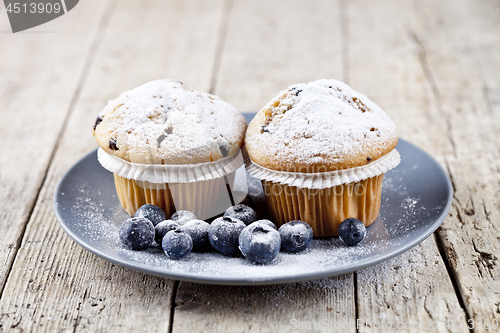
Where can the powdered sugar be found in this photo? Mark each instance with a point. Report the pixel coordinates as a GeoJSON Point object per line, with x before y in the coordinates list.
{"type": "Point", "coordinates": [100, 227]}
{"type": "Point", "coordinates": [414, 202]}
{"type": "Point", "coordinates": [165, 122]}
{"type": "Point", "coordinates": [320, 122]}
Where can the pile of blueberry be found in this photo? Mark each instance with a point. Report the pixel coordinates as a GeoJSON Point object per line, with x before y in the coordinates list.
{"type": "Point", "coordinates": [237, 232]}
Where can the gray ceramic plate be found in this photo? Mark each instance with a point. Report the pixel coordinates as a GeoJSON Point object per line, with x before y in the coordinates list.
{"type": "Point", "coordinates": [415, 200]}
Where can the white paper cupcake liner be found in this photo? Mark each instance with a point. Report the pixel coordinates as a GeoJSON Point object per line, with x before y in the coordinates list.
{"type": "Point", "coordinates": [323, 180]}
{"type": "Point", "coordinates": [158, 173]}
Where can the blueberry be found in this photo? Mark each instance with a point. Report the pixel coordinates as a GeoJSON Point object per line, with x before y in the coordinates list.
{"type": "Point", "coordinates": [223, 234]}
{"type": "Point", "coordinates": [183, 216]}
{"type": "Point", "coordinates": [266, 222]}
{"type": "Point", "coordinates": [296, 236]}
{"type": "Point", "coordinates": [352, 231]}
{"type": "Point", "coordinates": [177, 244]}
{"type": "Point", "coordinates": [242, 212]}
{"type": "Point", "coordinates": [151, 212]}
{"type": "Point", "coordinates": [162, 228]}
{"type": "Point", "coordinates": [259, 242]}
{"type": "Point", "coordinates": [198, 230]}
{"type": "Point", "coordinates": [137, 233]}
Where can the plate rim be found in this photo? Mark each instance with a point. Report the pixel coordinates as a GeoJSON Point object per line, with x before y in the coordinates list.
{"type": "Point", "coordinates": [241, 281]}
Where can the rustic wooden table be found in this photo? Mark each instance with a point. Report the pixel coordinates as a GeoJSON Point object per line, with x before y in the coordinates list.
{"type": "Point", "coordinates": [432, 65]}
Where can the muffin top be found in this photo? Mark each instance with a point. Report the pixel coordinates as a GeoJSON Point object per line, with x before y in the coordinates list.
{"type": "Point", "coordinates": [166, 122]}
{"type": "Point", "coordinates": [317, 127]}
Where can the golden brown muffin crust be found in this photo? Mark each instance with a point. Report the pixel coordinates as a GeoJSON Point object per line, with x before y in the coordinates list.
{"type": "Point", "coordinates": [317, 127]}
{"type": "Point", "coordinates": [166, 122]}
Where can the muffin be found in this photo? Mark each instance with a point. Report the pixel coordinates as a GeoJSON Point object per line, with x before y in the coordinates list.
{"type": "Point", "coordinates": [171, 146]}
{"type": "Point", "coordinates": [321, 150]}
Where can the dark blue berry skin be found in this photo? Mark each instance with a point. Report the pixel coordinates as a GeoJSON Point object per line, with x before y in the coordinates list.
{"type": "Point", "coordinates": [224, 233]}
{"type": "Point", "coordinates": [296, 236]}
{"type": "Point", "coordinates": [266, 222]}
{"type": "Point", "coordinates": [183, 216]}
{"type": "Point", "coordinates": [352, 231]}
{"type": "Point", "coordinates": [162, 228]}
{"type": "Point", "coordinates": [177, 244]}
{"type": "Point", "coordinates": [243, 213]}
{"type": "Point", "coordinates": [151, 212]}
{"type": "Point", "coordinates": [137, 233]}
{"type": "Point", "coordinates": [259, 242]}
{"type": "Point", "coordinates": [198, 230]}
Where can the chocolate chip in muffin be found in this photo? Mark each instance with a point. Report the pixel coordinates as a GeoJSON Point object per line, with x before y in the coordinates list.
{"type": "Point", "coordinates": [223, 150]}
{"type": "Point", "coordinates": [161, 138]}
{"type": "Point", "coordinates": [112, 144]}
{"type": "Point", "coordinates": [368, 158]}
{"type": "Point", "coordinates": [268, 128]}
{"type": "Point", "coordinates": [97, 121]}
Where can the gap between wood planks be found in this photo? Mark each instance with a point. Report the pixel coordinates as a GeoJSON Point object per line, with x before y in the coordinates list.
{"type": "Point", "coordinates": [453, 277]}
{"type": "Point", "coordinates": [221, 38]}
{"type": "Point", "coordinates": [344, 37]}
{"type": "Point", "coordinates": [422, 57]}
{"type": "Point", "coordinates": [469, 23]}
{"type": "Point", "coordinates": [78, 90]}
{"type": "Point", "coordinates": [18, 302]}
{"type": "Point", "coordinates": [103, 23]}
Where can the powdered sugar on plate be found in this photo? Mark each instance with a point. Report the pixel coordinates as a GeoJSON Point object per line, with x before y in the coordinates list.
{"type": "Point", "coordinates": [322, 255]}
{"type": "Point", "coordinates": [101, 225]}
{"type": "Point", "coordinates": [414, 202]}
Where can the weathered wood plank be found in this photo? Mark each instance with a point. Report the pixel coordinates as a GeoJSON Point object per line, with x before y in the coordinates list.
{"type": "Point", "coordinates": [270, 45]}
{"type": "Point", "coordinates": [410, 293]}
{"type": "Point", "coordinates": [54, 284]}
{"type": "Point", "coordinates": [432, 66]}
{"type": "Point", "coordinates": [413, 290]}
{"type": "Point", "coordinates": [39, 74]}
{"type": "Point", "coordinates": [318, 306]}
{"type": "Point", "coordinates": [273, 44]}
{"type": "Point", "coordinates": [462, 45]}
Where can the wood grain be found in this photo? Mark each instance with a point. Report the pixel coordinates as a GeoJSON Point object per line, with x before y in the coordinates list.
{"type": "Point", "coordinates": [413, 290]}
{"type": "Point", "coordinates": [460, 51]}
{"type": "Point", "coordinates": [29, 113]}
{"type": "Point", "coordinates": [273, 44]}
{"type": "Point", "coordinates": [268, 46]}
{"type": "Point", "coordinates": [55, 285]}
{"type": "Point", "coordinates": [411, 293]}
{"type": "Point", "coordinates": [433, 66]}
{"type": "Point", "coordinates": [319, 306]}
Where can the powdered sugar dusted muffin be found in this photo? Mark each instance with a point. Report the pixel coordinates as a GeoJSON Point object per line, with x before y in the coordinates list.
{"type": "Point", "coordinates": [166, 122]}
{"type": "Point", "coordinates": [165, 137]}
{"type": "Point", "coordinates": [321, 149]}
